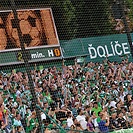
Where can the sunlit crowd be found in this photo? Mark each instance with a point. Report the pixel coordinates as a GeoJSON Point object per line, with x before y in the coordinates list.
{"type": "Point", "coordinates": [88, 97]}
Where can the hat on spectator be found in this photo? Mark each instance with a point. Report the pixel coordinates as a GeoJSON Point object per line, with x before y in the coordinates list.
{"type": "Point", "coordinates": [50, 126]}
{"type": "Point", "coordinates": [45, 101]}
{"type": "Point", "coordinates": [64, 122]}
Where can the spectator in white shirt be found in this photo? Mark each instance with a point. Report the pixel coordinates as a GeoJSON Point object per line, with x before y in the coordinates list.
{"type": "Point", "coordinates": [81, 118]}
{"type": "Point", "coordinates": [69, 119]}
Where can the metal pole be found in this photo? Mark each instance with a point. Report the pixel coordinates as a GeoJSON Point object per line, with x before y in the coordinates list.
{"type": "Point", "coordinates": [121, 7]}
{"type": "Point", "coordinates": [27, 66]}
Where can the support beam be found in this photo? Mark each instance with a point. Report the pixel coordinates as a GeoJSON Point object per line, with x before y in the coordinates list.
{"type": "Point", "coordinates": [27, 66]}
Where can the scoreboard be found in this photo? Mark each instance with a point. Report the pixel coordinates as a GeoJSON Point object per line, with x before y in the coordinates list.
{"type": "Point", "coordinates": [38, 34]}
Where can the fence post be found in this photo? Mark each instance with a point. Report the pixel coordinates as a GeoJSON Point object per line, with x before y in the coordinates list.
{"type": "Point", "coordinates": [27, 66]}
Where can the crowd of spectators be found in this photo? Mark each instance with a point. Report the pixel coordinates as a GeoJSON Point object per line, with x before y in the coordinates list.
{"type": "Point", "coordinates": [92, 97]}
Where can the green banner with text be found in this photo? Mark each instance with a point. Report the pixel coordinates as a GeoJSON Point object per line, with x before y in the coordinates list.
{"type": "Point", "coordinates": [130, 130]}
{"type": "Point", "coordinates": [115, 47]}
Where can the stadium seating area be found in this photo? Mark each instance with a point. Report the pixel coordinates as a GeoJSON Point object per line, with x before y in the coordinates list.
{"type": "Point", "coordinates": [92, 97]}
{"type": "Point", "coordinates": [66, 66]}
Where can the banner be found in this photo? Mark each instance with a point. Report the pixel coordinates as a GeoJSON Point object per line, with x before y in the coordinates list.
{"type": "Point", "coordinates": [130, 130]}
{"type": "Point", "coordinates": [114, 47]}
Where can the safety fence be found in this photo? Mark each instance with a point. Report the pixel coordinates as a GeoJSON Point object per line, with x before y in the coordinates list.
{"type": "Point", "coordinates": [53, 52]}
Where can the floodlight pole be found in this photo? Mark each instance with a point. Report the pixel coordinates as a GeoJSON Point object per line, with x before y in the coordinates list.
{"type": "Point", "coordinates": [27, 67]}
{"type": "Point", "coordinates": [121, 7]}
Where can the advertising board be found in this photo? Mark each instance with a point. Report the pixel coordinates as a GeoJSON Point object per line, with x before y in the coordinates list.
{"type": "Point", "coordinates": [38, 33]}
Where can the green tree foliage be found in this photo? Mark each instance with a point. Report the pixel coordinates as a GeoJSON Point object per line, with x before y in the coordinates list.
{"type": "Point", "coordinates": [77, 18]}
{"type": "Point", "coordinates": [129, 8]}
{"type": "Point", "coordinates": [92, 17]}
{"type": "Point", "coordinates": [65, 19]}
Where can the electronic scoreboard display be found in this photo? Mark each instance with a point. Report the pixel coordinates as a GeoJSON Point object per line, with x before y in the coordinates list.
{"type": "Point", "coordinates": [38, 34]}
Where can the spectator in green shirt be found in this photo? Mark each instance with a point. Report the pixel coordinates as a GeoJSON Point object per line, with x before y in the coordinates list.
{"type": "Point", "coordinates": [96, 108]}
